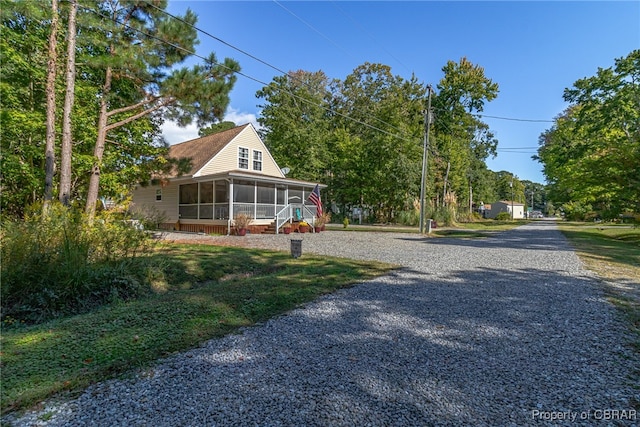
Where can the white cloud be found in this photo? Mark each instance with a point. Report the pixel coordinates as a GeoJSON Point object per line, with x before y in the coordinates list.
{"type": "Point", "coordinates": [175, 134]}
{"type": "Point", "coordinates": [240, 118]}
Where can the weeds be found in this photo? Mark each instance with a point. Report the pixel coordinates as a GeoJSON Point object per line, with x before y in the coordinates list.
{"type": "Point", "coordinates": [58, 263]}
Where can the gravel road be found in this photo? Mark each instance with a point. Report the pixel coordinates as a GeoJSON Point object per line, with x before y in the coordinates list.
{"type": "Point", "coordinates": [508, 330]}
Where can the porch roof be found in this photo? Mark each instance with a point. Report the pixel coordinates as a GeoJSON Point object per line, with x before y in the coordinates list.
{"type": "Point", "coordinates": [241, 174]}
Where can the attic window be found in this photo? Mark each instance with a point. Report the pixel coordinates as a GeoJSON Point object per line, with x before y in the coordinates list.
{"type": "Point", "coordinates": [257, 160]}
{"type": "Point", "coordinates": [243, 158]}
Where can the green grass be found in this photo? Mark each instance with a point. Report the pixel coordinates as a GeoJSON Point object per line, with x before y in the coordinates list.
{"type": "Point", "coordinates": [612, 252]}
{"type": "Point", "coordinates": [204, 292]}
{"type": "Point", "coordinates": [609, 249]}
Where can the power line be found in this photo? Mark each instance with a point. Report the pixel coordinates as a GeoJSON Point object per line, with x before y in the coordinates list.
{"type": "Point", "coordinates": [247, 76]}
{"type": "Point", "coordinates": [313, 28]}
{"type": "Point", "coordinates": [519, 148]}
{"type": "Point", "coordinates": [514, 119]}
{"type": "Point", "coordinates": [284, 73]}
{"type": "Point", "coordinates": [369, 34]}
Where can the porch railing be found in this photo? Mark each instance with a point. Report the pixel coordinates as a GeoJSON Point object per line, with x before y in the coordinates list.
{"type": "Point", "coordinates": [294, 211]}
{"type": "Point", "coordinates": [256, 211]}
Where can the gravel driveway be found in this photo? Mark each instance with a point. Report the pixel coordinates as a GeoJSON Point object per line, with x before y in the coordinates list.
{"type": "Point", "coordinates": [508, 330]}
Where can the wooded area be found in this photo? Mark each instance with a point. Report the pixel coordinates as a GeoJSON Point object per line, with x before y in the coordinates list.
{"type": "Point", "coordinates": [86, 86]}
{"type": "Point", "coordinates": [363, 136]}
{"type": "Point", "coordinates": [591, 155]}
{"type": "Point", "coordinates": [118, 81]}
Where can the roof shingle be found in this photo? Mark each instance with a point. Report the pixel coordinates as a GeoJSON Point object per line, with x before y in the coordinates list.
{"type": "Point", "coordinates": [200, 150]}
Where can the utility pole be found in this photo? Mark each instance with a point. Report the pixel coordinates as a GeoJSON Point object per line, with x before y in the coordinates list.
{"type": "Point", "coordinates": [532, 199]}
{"type": "Point", "coordinates": [511, 185]}
{"type": "Point", "coordinates": [425, 155]}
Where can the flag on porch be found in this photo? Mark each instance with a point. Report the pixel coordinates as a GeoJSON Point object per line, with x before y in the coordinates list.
{"type": "Point", "coordinates": [314, 198]}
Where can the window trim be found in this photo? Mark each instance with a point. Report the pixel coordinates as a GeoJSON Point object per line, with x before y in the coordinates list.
{"type": "Point", "coordinates": [241, 158]}
{"type": "Point", "coordinates": [256, 161]}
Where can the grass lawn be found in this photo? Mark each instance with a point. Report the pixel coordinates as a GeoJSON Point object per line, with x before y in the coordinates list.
{"type": "Point", "coordinates": [613, 252]}
{"type": "Point", "coordinates": [204, 292]}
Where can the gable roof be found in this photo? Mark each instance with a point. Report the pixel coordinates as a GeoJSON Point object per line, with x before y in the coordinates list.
{"type": "Point", "coordinates": [200, 150]}
{"type": "Point", "coordinates": [509, 202]}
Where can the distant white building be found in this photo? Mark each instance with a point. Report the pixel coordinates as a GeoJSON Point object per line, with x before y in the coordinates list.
{"type": "Point", "coordinates": [505, 206]}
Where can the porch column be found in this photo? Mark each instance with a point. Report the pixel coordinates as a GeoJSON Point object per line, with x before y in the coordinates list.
{"type": "Point", "coordinates": [255, 199]}
{"type": "Point", "coordinates": [275, 200]}
{"type": "Point", "coordinates": [231, 199]}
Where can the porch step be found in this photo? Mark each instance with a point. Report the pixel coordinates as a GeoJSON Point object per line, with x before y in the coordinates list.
{"type": "Point", "coordinates": [271, 229]}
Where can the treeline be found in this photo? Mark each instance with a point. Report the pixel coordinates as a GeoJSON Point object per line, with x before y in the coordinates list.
{"type": "Point", "coordinates": [363, 136]}
{"type": "Point", "coordinates": [86, 86]}
{"type": "Point", "coordinates": [591, 155]}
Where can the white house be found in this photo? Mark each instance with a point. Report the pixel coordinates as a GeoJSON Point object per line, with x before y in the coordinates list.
{"type": "Point", "coordinates": [505, 206]}
{"type": "Point", "coordinates": [222, 175]}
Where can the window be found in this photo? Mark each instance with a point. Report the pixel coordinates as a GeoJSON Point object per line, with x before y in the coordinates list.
{"type": "Point", "coordinates": [257, 160]}
{"type": "Point", "coordinates": [243, 158]}
{"type": "Point", "coordinates": [159, 195]}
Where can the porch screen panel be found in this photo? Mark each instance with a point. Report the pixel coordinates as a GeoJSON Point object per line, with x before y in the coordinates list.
{"type": "Point", "coordinates": [243, 191]}
{"type": "Point", "coordinates": [266, 193]}
{"type": "Point", "coordinates": [206, 211]}
{"type": "Point", "coordinates": [206, 192]}
{"type": "Point", "coordinates": [221, 210]}
{"type": "Point", "coordinates": [188, 201]}
{"type": "Point", "coordinates": [222, 192]}
{"type": "Point", "coordinates": [281, 194]}
{"type": "Point", "coordinates": [189, 194]}
{"type": "Point", "coordinates": [206, 200]}
{"type": "Point", "coordinates": [295, 195]}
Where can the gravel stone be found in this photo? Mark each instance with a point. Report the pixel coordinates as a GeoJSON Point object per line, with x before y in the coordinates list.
{"type": "Point", "coordinates": [508, 330]}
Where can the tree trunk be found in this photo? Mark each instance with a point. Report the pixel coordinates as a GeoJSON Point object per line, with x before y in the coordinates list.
{"type": "Point", "coordinates": [50, 156]}
{"type": "Point", "coordinates": [98, 151]}
{"type": "Point", "coordinates": [65, 152]}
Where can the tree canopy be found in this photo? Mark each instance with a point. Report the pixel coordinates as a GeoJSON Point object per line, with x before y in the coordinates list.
{"type": "Point", "coordinates": [128, 81]}
{"type": "Point", "coordinates": [363, 135]}
{"type": "Point", "coordinates": [591, 155]}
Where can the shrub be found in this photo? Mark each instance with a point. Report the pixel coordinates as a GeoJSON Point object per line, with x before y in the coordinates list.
{"type": "Point", "coordinates": [503, 216]}
{"type": "Point", "coordinates": [576, 211]}
{"type": "Point", "coordinates": [60, 263]}
{"type": "Point", "coordinates": [151, 218]}
{"type": "Point", "coordinates": [443, 215]}
{"type": "Point", "coordinates": [411, 217]}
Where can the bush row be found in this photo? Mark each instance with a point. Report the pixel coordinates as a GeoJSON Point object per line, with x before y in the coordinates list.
{"type": "Point", "coordinates": [60, 263]}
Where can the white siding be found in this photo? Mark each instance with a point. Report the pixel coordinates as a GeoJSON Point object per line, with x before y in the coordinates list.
{"type": "Point", "coordinates": [497, 207]}
{"type": "Point", "coordinates": [144, 198]}
{"type": "Point", "coordinates": [227, 159]}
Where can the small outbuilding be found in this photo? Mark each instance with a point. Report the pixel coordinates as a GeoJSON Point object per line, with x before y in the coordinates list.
{"type": "Point", "coordinates": [505, 206]}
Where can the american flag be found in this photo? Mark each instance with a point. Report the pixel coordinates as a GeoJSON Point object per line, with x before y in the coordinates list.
{"type": "Point", "coordinates": [314, 198]}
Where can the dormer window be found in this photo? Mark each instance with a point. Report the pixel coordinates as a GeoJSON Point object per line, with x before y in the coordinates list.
{"type": "Point", "coordinates": [243, 158]}
{"type": "Point", "coordinates": [257, 160]}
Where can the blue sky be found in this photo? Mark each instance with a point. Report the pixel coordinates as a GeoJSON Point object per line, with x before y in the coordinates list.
{"type": "Point", "coordinates": [533, 50]}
